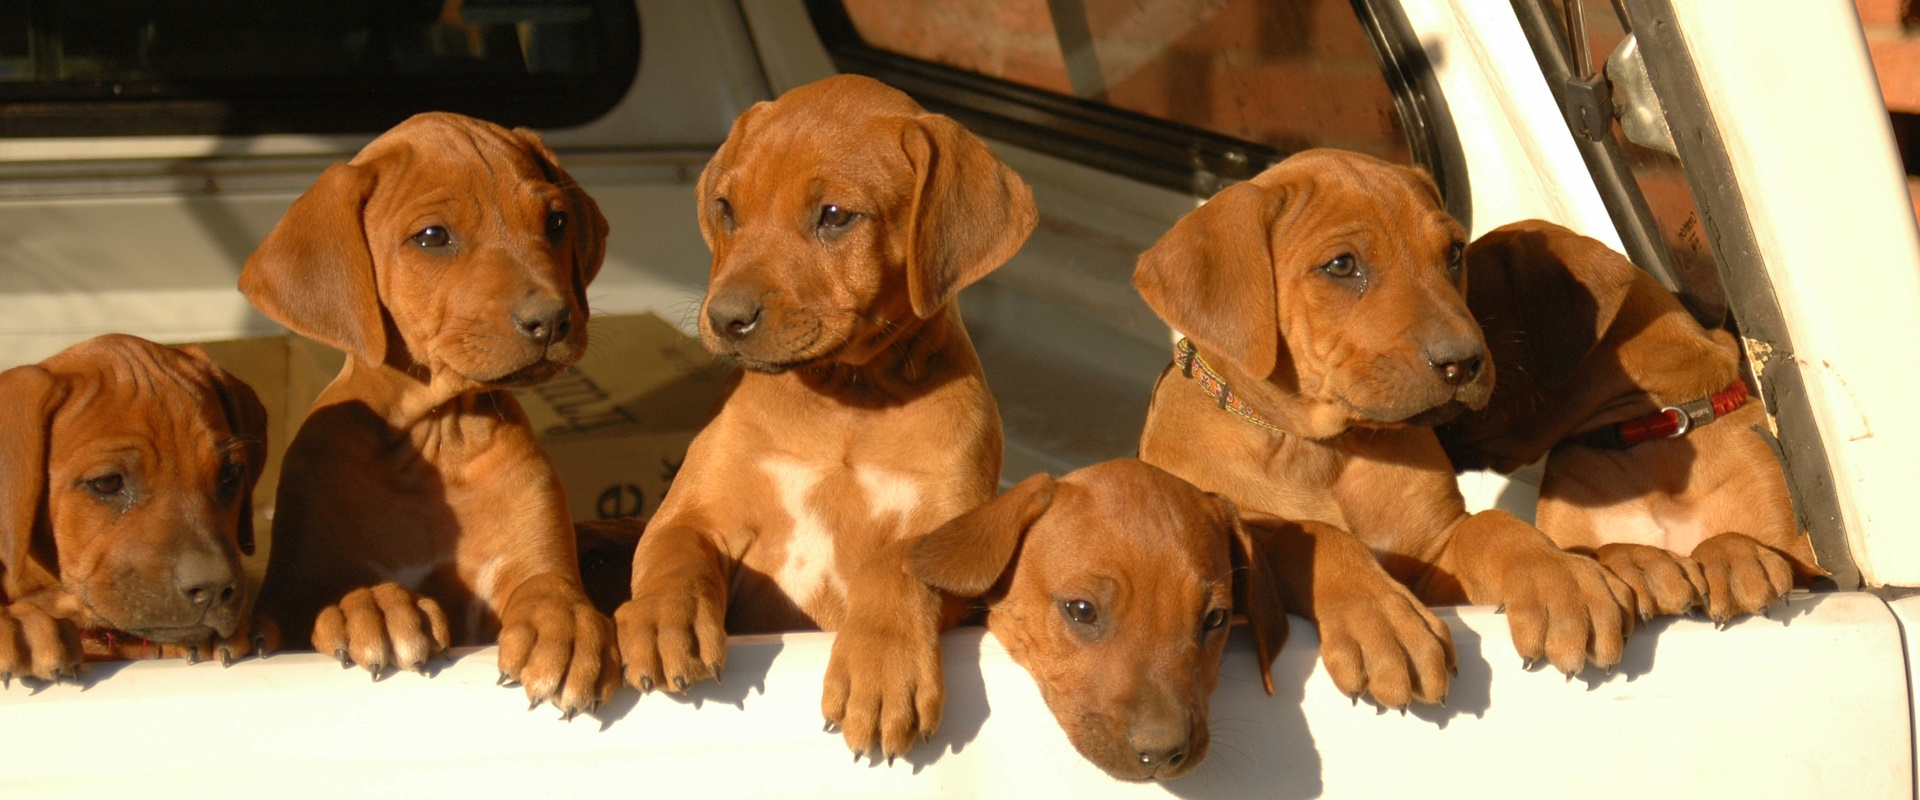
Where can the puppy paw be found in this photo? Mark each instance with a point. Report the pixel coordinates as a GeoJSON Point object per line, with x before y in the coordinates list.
{"type": "Point", "coordinates": [383, 626]}
{"type": "Point", "coordinates": [884, 688]}
{"type": "Point", "coordinates": [264, 637]}
{"type": "Point", "coordinates": [35, 644]}
{"type": "Point", "coordinates": [561, 650]}
{"type": "Point", "coordinates": [1742, 576]}
{"type": "Point", "coordinates": [1663, 582]}
{"type": "Point", "coordinates": [1567, 609]}
{"type": "Point", "coordinates": [225, 649]}
{"type": "Point", "coordinates": [1377, 638]}
{"type": "Point", "coordinates": [671, 640]}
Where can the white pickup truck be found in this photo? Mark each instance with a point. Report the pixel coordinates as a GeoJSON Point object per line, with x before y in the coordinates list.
{"type": "Point", "coordinates": [145, 148]}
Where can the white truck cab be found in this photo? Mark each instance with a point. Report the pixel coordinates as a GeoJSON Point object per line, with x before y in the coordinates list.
{"type": "Point", "coordinates": [1736, 149]}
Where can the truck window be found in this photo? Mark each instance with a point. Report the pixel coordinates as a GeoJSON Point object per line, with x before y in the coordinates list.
{"type": "Point", "coordinates": [1190, 94]}
{"type": "Point", "coordinates": [240, 67]}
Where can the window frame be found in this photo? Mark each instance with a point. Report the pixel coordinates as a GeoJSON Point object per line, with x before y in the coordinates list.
{"type": "Point", "coordinates": [1149, 149]}
{"type": "Point", "coordinates": [326, 105]}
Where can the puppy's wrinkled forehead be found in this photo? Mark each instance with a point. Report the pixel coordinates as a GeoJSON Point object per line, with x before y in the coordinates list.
{"type": "Point", "coordinates": [462, 157]}
{"type": "Point", "coordinates": [1345, 188]}
{"type": "Point", "coordinates": [839, 134]}
{"type": "Point", "coordinates": [1158, 515]}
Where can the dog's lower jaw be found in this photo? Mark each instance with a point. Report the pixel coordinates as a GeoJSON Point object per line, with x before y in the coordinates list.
{"type": "Point", "coordinates": [531, 375]}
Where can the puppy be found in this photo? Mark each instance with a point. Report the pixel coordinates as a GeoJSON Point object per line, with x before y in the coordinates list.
{"type": "Point", "coordinates": [1658, 464]}
{"type": "Point", "coordinates": [843, 220]}
{"type": "Point", "coordinates": [1326, 331]}
{"type": "Point", "coordinates": [449, 260]}
{"type": "Point", "coordinates": [1113, 586]}
{"type": "Point", "coordinates": [126, 500]}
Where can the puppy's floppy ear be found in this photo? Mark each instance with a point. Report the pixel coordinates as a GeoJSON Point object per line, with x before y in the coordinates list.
{"type": "Point", "coordinates": [314, 273]}
{"type": "Point", "coordinates": [590, 228]}
{"type": "Point", "coordinates": [970, 211]}
{"type": "Point", "coordinates": [31, 395]}
{"type": "Point", "coordinates": [1544, 296]}
{"type": "Point", "coordinates": [1211, 277]}
{"type": "Point", "coordinates": [247, 420]}
{"type": "Point", "coordinates": [1424, 179]}
{"type": "Point", "coordinates": [966, 556]}
{"type": "Point", "coordinates": [1256, 594]}
{"type": "Point", "coordinates": [706, 209]}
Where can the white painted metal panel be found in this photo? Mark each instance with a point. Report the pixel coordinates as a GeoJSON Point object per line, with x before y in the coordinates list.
{"type": "Point", "coordinates": [1793, 93]}
{"type": "Point", "coordinates": [1807, 706]}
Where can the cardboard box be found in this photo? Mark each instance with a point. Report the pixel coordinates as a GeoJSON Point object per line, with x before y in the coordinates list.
{"type": "Point", "coordinates": [616, 425]}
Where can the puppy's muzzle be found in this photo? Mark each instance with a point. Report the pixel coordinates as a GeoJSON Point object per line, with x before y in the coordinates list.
{"type": "Point", "coordinates": [734, 315]}
{"type": "Point", "coordinates": [200, 593]}
{"type": "Point", "coordinates": [543, 321]}
{"type": "Point", "coordinates": [1456, 362]}
{"type": "Point", "coordinates": [1160, 749]}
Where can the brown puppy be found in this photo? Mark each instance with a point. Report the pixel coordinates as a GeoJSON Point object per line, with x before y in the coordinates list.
{"type": "Point", "coordinates": [1113, 586]}
{"type": "Point", "coordinates": [126, 499]}
{"type": "Point", "coordinates": [1322, 300]}
{"type": "Point", "coordinates": [1602, 366]}
{"type": "Point", "coordinates": [450, 261]}
{"type": "Point", "coordinates": [843, 220]}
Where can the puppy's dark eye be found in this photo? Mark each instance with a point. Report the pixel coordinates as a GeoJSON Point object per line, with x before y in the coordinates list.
{"type": "Point", "coordinates": [107, 485]}
{"type": "Point", "coordinates": [556, 224]}
{"type": "Point", "coordinates": [1456, 259]}
{"type": "Point", "coordinates": [1080, 611]}
{"type": "Point", "coordinates": [432, 236]}
{"type": "Point", "coordinates": [1216, 619]}
{"type": "Point", "coordinates": [232, 474]}
{"type": "Point", "coordinates": [832, 216]}
{"type": "Point", "coordinates": [1342, 266]}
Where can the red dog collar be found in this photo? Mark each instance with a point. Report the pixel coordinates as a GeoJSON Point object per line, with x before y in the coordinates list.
{"type": "Point", "coordinates": [1671, 422]}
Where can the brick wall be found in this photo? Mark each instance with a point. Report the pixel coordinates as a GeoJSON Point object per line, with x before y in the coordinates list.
{"type": "Point", "coordinates": [1893, 41]}
{"type": "Point", "coordinates": [1288, 73]}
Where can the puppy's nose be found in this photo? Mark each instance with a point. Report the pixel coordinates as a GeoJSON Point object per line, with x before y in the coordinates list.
{"type": "Point", "coordinates": [1158, 747]}
{"type": "Point", "coordinates": [206, 582]}
{"type": "Point", "coordinates": [543, 321]}
{"type": "Point", "coordinates": [734, 315]}
{"type": "Point", "coordinates": [1457, 362]}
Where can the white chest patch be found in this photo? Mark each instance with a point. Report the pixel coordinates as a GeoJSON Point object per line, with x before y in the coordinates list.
{"type": "Point", "coordinates": [888, 492]}
{"type": "Point", "coordinates": [809, 567]}
{"type": "Point", "coordinates": [483, 589]}
{"type": "Point", "coordinates": [411, 575]}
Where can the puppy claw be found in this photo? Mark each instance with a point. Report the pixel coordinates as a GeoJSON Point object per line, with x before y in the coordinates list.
{"type": "Point", "coordinates": [1403, 709]}
{"type": "Point", "coordinates": [6, 679]}
{"type": "Point", "coordinates": [1500, 609]}
{"type": "Point", "coordinates": [715, 669]}
{"type": "Point", "coordinates": [502, 681]}
{"type": "Point", "coordinates": [646, 685]}
{"type": "Point", "coordinates": [568, 717]}
{"type": "Point", "coordinates": [1355, 697]}
{"type": "Point", "coordinates": [832, 727]}
{"type": "Point", "coordinates": [1443, 701]}
{"type": "Point", "coordinates": [1526, 664]}
{"type": "Point", "coordinates": [341, 654]}
{"type": "Point", "coordinates": [533, 704]}
{"type": "Point", "coordinates": [889, 759]}
{"type": "Point", "coordinates": [193, 655]}
{"type": "Point", "coordinates": [679, 683]}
